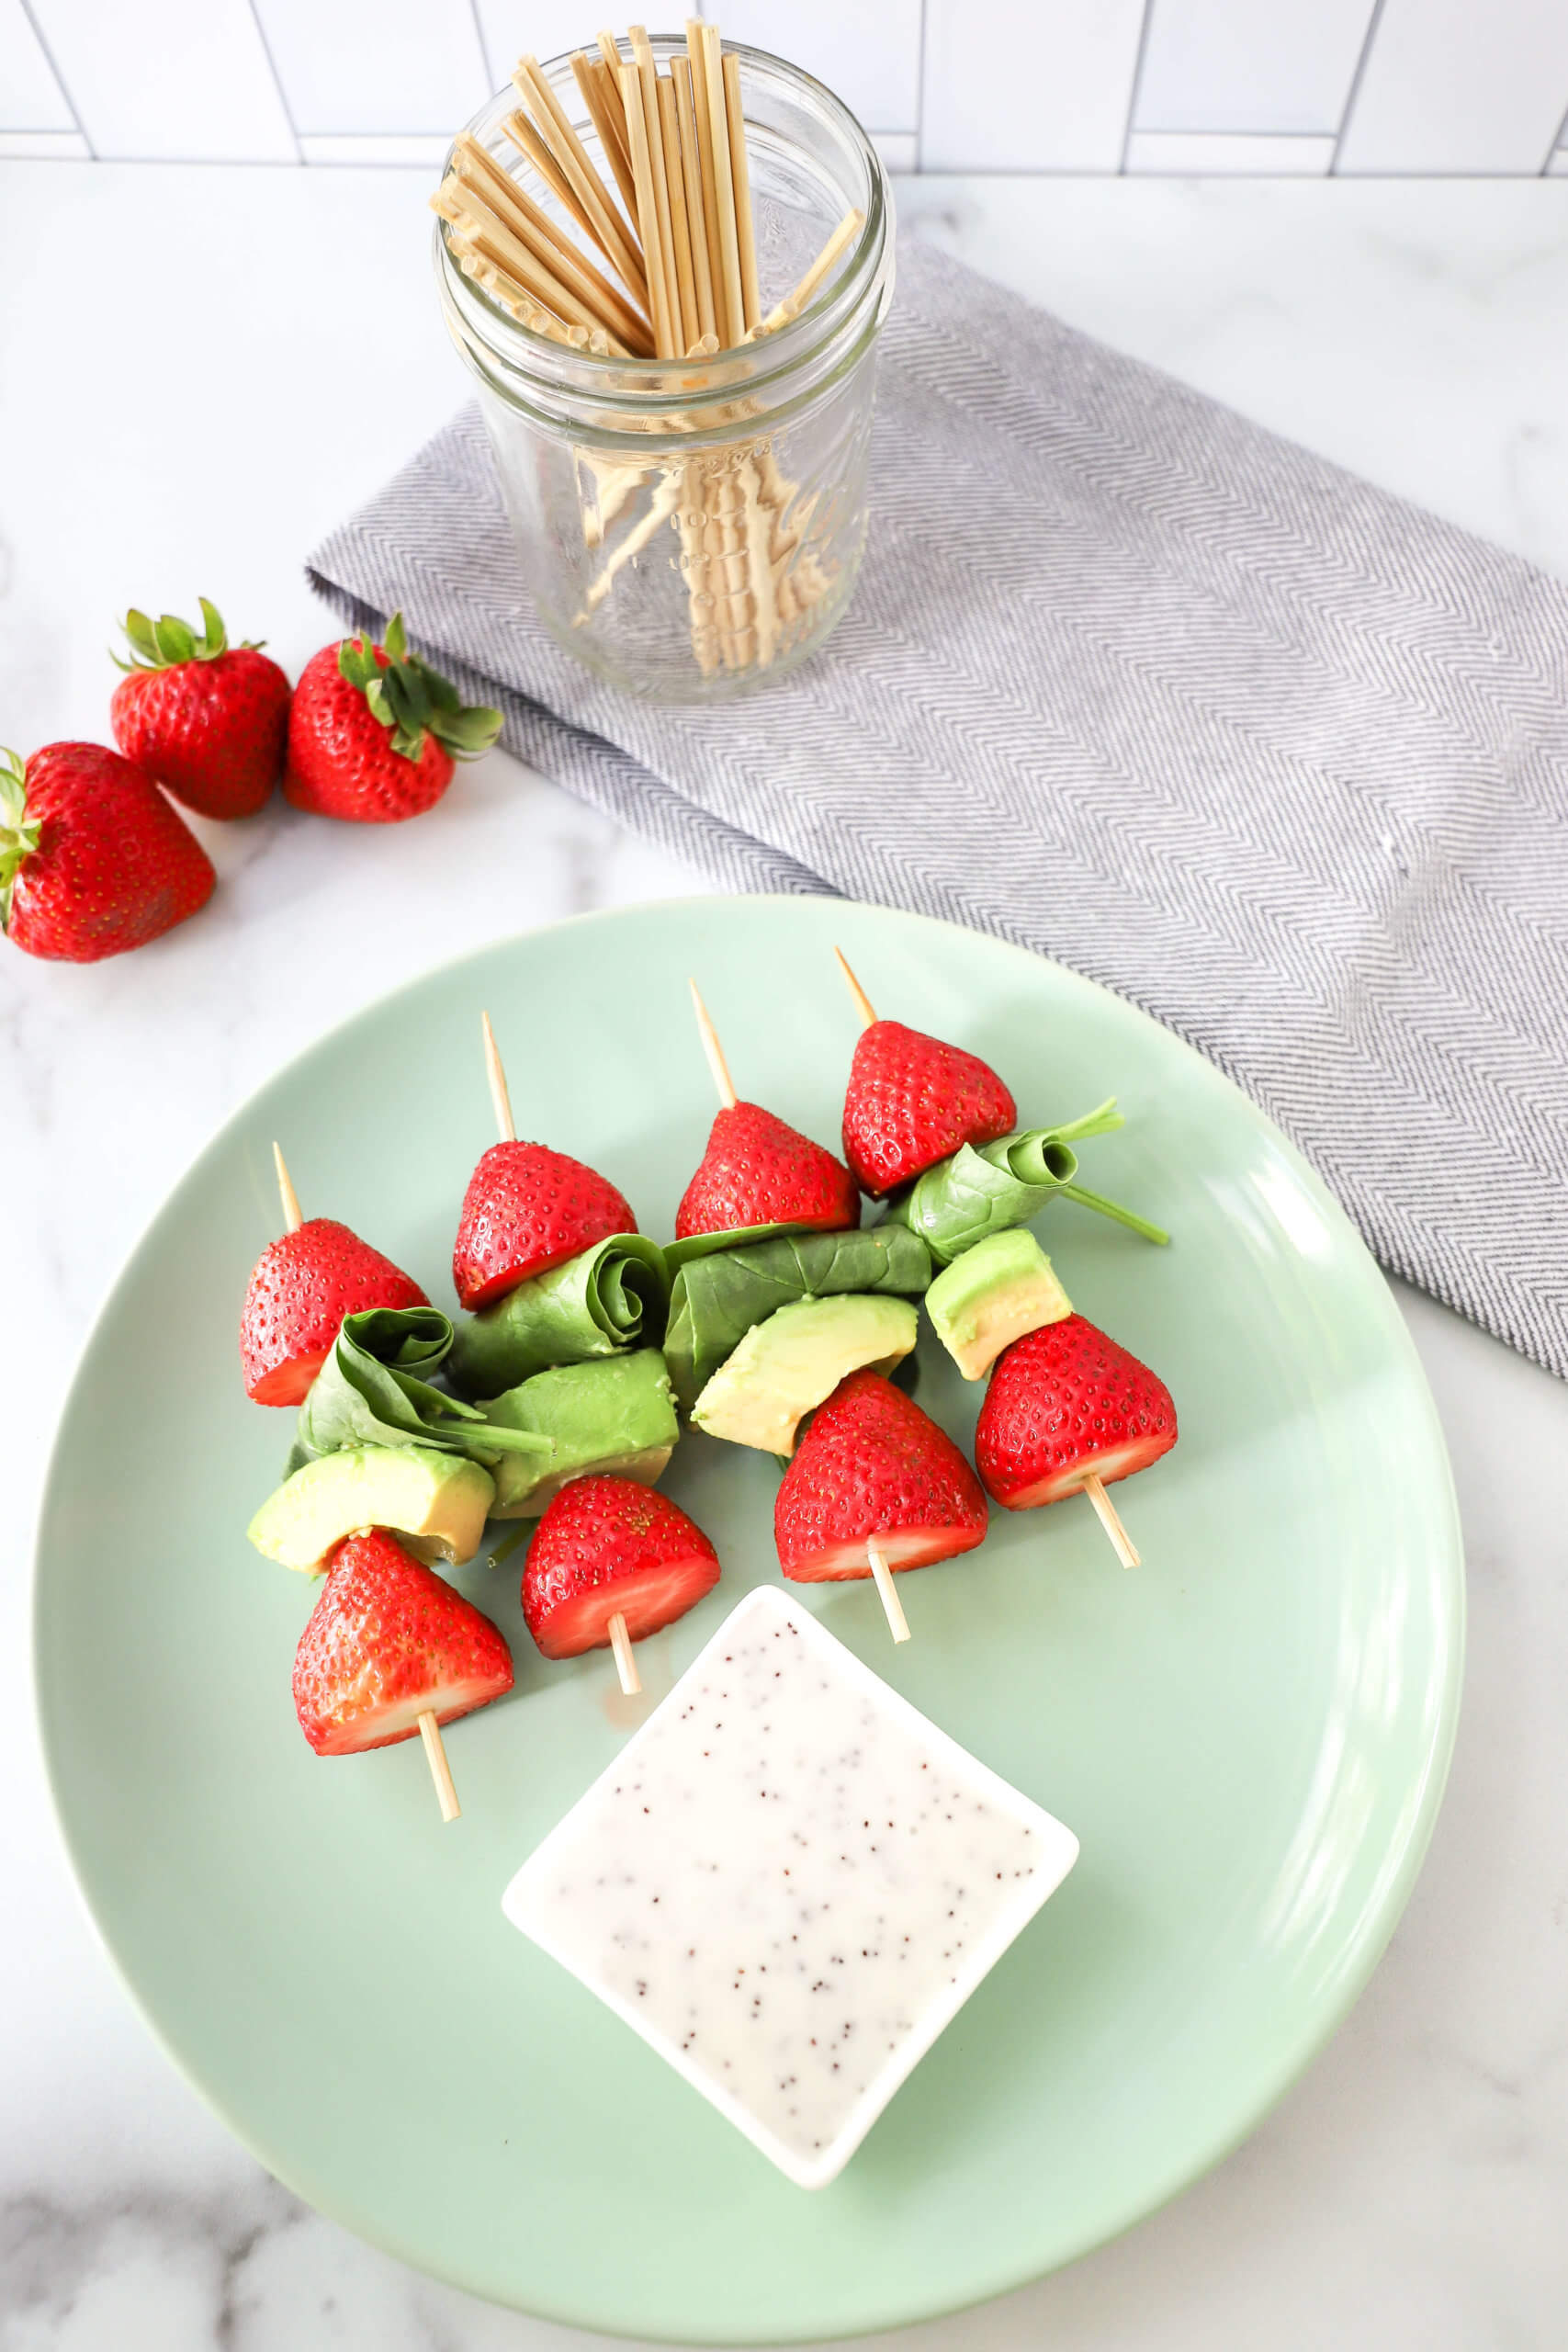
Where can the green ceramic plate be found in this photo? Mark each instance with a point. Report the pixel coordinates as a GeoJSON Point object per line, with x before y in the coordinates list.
{"type": "Point", "coordinates": [1249, 1734]}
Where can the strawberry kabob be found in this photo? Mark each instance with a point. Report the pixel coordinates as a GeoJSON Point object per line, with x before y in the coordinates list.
{"type": "Point", "coordinates": [610, 1561]}
{"type": "Point", "coordinates": [1066, 1411]}
{"type": "Point", "coordinates": [875, 1484]}
{"type": "Point", "coordinates": [390, 1649]}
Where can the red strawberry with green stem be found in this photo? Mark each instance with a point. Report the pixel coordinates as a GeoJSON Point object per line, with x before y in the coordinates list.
{"type": "Point", "coordinates": [93, 859]}
{"type": "Point", "coordinates": [207, 718]}
{"type": "Point", "coordinates": [756, 1170]}
{"type": "Point", "coordinates": [873, 1468]}
{"type": "Point", "coordinates": [912, 1101]}
{"type": "Point", "coordinates": [608, 1549]}
{"type": "Point", "coordinates": [373, 732]}
{"type": "Point", "coordinates": [1069, 1411]}
{"type": "Point", "coordinates": [528, 1208]}
{"type": "Point", "coordinates": [301, 1287]}
{"type": "Point", "coordinates": [386, 1644]}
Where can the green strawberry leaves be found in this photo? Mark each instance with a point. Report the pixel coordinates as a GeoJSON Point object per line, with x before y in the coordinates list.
{"type": "Point", "coordinates": [163, 644]}
{"type": "Point", "coordinates": [19, 835]}
{"type": "Point", "coordinates": [412, 700]}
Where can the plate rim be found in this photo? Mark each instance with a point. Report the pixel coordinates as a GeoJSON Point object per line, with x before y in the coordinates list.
{"type": "Point", "coordinates": [1375, 1939]}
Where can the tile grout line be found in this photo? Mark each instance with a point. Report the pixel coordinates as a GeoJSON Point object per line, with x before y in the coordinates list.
{"type": "Point", "coordinates": [1132, 93]}
{"type": "Point", "coordinates": [277, 80]}
{"type": "Point", "coordinates": [1560, 139]}
{"type": "Point", "coordinates": [486, 61]}
{"type": "Point", "coordinates": [920, 93]}
{"type": "Point", "coordinates": [1354, 92]}
{"type": "Point", "coordinates": [60, 83]}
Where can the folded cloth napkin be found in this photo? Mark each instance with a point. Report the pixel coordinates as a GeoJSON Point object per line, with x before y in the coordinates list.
{"type": "Point", "coordinates": [1130, 681]}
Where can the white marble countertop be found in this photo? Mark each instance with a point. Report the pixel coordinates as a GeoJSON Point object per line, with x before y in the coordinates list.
{"type": "Point", "coordinates": [168, 433]}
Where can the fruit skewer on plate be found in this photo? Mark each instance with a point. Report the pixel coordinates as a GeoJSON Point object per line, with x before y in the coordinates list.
{"type": "Point", "coordinates": [389, 1650]}
{"type": "Point", "coordinates": [875, 1486]}
{"type": "Point", "coordinates": [611, 1569]}
{"type": "Point", "coordinates": [759, 1175]}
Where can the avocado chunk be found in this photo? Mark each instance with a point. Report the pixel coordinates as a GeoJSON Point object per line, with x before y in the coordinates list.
{"type": "Point", "coordinates": [616, 1414]}
{"type": "Point", "coordinates": [991, 1296]}
{"type": "Point", "coordinates": [436, 1503]}
{"type": "Point", "coordinates": [785, 1366]}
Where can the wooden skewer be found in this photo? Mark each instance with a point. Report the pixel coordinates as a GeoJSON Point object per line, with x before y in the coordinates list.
{"type": "Point", "coordinates": [292, 1219]}
{"type": "Point", "coordinates": [499, 1094]}
{"type": "Point", "coordinates": [625, 1665]}
{"type": "Point", "coordinates": [863, 1004]}
{"type": "Point", "coordinates": [665, 332]}
{"type": "Point", "coordinates": [740, 174]}
{"type": "Point", "coordinates": [898, 1623]}
{"type": "Point", "coordinates": [478, 167]}
{"type": "Point", "coordinates": [692, 174]}
{"type": "Point", "coordinates": [680, 219]}
{"type": "Point", "coordinates": [733, 323]}
{"type": "Point", "coordinates": [714, 1051]}
{"type": "Point", "coordinates": [456, 196]}
{"type": "Point", "coordinates": [520, 130]}
{"type": "Point", "coordinates": [440, 1770]}
{"type": "Point", "coordinates": [653, 115]}
{"type": "Point", "coordinates": [592, 79]}
{"type": "Point", "coordinates": [1110, 1519]}
{"type": "Point", "coordinates": [697, 69]}
{"type": "Point", "coordinates": [660, 507]}
{"type": "Point", "coordinates": [505, 289]}
{"type": "Point", "coordinates": [571, 158]}
{"type": "Point", "coordinates": [429, 1729]}
{"type": "Point", "coordinates": [796, 300]}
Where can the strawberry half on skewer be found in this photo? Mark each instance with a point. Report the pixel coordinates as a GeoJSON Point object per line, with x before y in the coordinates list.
{"type": "Point", "coordinates": [301, 1288]}
{"type": "Point", "coordinates": [755, 1170]}
{"type": "Point", "coordinates": [612, 1562]}
{"type": "Point", "coordinates": [912, 1099]}
{"type": "Point", "coordinates": [388, 1644]}
{"type": "Point", "coordinates": [875, 1485]}
{"type": "Point", "coordinates": [1069, 1411]}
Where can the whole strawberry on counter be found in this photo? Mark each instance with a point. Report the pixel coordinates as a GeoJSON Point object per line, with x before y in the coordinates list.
{"type": "Point", "coordinates": [373, 733]}
{"type": "Point", "coordinates": [207, 718]}
{"type": "Point", "coordinates": [93, 859]}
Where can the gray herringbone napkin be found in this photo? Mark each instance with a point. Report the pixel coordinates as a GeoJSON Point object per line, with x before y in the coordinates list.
{"type": "Point", "coordinates": [1130, 681]}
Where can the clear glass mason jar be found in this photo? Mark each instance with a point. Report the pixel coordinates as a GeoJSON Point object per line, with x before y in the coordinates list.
{"type": "Point", "coordinates": [692, 530]}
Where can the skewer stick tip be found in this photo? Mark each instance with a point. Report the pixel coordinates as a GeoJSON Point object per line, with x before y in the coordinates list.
{"type": "Point", "coordinates": [898, 1623]}
{"type": "Point", "coordinates": [863, 1004]}
{"type": "Point", "coordinates": [499, 1095]}
{"type": "Point", "coordinates": [1110, 1519]}
{"type": "Point", "coordinates": [714, 1050]}
{"type": "Point", "coordinates": [440, 1770]}
{"type": "Point", "coordinates": [625, 1665]}
{"type": "Point", "coordinates": [292, 1218]}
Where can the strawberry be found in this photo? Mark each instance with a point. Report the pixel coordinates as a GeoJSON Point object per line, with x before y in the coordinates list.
{"type": "Point", "coordinates": [373, 733]}
{"type": "Point", "coordinates": [207, 718]}
{"type": "Point", "coordinates": [301, 1288]}
{"type": "Point", "coordinates": [528, 1208]}
{"type": "Point", "coordinates": [606, 1545]}
{"type": "Point", "coordinates": [1062, 1402]}
{"type": "Point", "coordinates": [386, 1642]}
{"type": "Point", "coordinates": [758, 1171]}
{"type": "Point", "coordinates": [93, 859]}
{"type": "Point", "coordinates": [912, 1101]}
{"type": "Point", "coordinates": [873, 1463]}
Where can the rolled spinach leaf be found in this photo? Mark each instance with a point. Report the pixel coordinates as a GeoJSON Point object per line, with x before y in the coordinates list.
{"type": "Point", "coordinates": [609, 1297]}
{"type": "Point", "coordinates": [717, 1299]}
{"type": "Point", "coordinates": [962, 1200]}
{"type": "Point", "coordinates": [703, 1245]}
{"type": "Point", "coordinates": [373, 1389]}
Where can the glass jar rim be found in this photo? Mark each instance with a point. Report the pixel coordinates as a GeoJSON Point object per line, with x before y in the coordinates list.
{"type": "Point", "coordinates": [642, 388]}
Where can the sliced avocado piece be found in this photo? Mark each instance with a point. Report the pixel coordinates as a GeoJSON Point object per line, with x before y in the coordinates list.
{"type": "Point", "coordinates": [616, 1414]}
{"type": "Point", "coordinates": [785, 1366]}
{"type": "Point", "coordinates": [436, 1503]}
{"type": "Point", "coordinates": [991, 1296]}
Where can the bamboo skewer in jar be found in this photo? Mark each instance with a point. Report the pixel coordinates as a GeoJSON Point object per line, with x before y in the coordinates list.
{"type": "Point", "coordinates": [666, 269]}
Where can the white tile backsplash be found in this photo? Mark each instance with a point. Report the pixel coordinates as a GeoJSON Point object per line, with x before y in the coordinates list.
{"type": "Point", "coordinates": [1222, 86]}
{"type": "Point", "coordinates": [1249, 65]}
{"type": "Point", "coordinates": [406, 65]}
{"type": "Point", "coordinates": [869, 56]}
{"type": "Point", "coordinates": [1260, 153]}
{"type": "Point", "coordinates": [1460, 85]}
{"type": "Point", "coordinates": [168, 78]}
{"type": "Point", "coordinates": [1045, 87]}
{"type": "Point", "coordinates": [30, 97]}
